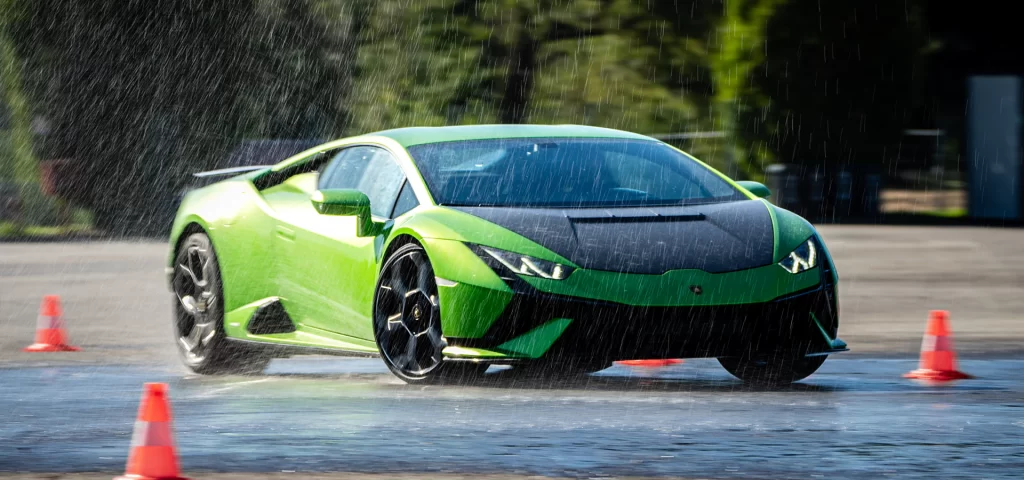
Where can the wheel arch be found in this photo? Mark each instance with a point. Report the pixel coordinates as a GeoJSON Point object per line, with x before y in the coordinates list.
{"type": "Point", "coordinates": [192, 226]}
{"type": "Point", "coordinates": [397, 241]}
{"type": "Point", "coordinates": [189, 229]}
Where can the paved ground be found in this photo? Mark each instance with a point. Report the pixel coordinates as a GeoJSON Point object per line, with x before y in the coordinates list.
{"type": "Point", "coordinates": [291, 476]}
{"type": "Point", "coordinates": [856, 418]}
{"type": "Point", "coordinates": [298, 475]}
{"type": "Point", "coordinates": [118, 308]}
{"type": "Point", "coordinates": [891, 276]}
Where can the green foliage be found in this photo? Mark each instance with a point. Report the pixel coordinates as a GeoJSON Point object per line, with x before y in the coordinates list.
{"type": "Point", "coordinates": [466, 62]}
{"type": "Point", "coordinates": [737, 49]}
{"type": "Point", "coordinates": [20, 164]}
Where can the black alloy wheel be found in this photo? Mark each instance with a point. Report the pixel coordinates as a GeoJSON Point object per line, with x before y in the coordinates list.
{"type": "Point", "coordinates": [407, 321]}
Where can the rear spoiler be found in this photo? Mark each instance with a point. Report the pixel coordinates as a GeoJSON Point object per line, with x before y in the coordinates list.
{"type": "Point", "coordinates": [223, 172]}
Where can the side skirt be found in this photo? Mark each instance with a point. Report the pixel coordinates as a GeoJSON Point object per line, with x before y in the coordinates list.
{"type": "Point", "coordinates": [266, 322]}
{"type": "Point", "coordinates": [283, 350]}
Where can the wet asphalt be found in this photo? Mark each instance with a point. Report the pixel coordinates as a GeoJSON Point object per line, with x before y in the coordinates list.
{"type": "Point", "coordinates": [856, 418]}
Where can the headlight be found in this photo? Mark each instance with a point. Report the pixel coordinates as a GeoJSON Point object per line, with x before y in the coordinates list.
{"type": "Point", "coordinates": [804, 258]}
{"type": "Point", "coordinates": [524, 265]}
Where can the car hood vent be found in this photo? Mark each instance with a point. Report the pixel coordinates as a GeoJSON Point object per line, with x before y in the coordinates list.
{"type": "Point", "coordinates": [716, 238]}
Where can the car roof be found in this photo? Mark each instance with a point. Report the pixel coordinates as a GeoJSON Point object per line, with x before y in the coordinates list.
{"type": "Point", "coordinates": [410, 136]}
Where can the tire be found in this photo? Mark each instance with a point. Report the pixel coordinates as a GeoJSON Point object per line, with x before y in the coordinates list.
{"type": "Point", "coordinates": [199, 315]}
{"type": "Point", "coordinates": [407, 321]}
{"type": "Point", "coordinates": [772, 370]}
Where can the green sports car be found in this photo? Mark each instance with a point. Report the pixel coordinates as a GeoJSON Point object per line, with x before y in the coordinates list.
{"type": "Point", "coordinates": [556, 249]}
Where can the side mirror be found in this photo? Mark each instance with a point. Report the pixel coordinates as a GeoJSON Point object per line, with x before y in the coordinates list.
{"type": "Point", "coordinates": [756, 188]}
{"type": "Point", "coordinates": [347, 202]}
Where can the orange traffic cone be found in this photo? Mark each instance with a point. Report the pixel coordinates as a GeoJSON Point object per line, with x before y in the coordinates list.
{"type": "Point", "coordinates": [50, 336]}
{"type": "Point", "coordinates": [938, 358]}
{"type": "Point", "coordinates": [664, 362]}
{"type": "Point", "coordinates": [153, 456]}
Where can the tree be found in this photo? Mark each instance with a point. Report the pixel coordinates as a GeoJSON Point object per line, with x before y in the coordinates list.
{"type": "Point", "coordinates": [24, 167]}
{"type": "Point", "coordinates": [144, 94]}
{"type": "Point", "coordinates": [485, 61]}
{"type": "Point", "coordinates": [737, 49]}
{"type": "Point", "coordinates": [302, 82]}
{"type": "Point", "coordinates": [510, 39]}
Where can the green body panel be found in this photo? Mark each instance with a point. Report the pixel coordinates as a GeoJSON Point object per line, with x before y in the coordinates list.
{"type": "Point", "coordinates": [323, 266]}
{"type": "Point", "coordinates": [472, 309]}
{"type": "Point", "coordinates": [480, 353]}
{"type": "Point", "coordinates": [790, 231]}
{"type": "Point", "coordinates": [341, 202]}
{"type": "Point", "coordinates": [461, 265]}
{"type": "Point", "coordinates": [230, 213]}
{"type": "Point", "coordinates": [347, 202]}
{"type": "Point", "coordinates": [530, 345]}
{"type": "Point", "coordinates": [758, 189]}
{"type": "Point", "coordinates": [275, 244]}
{"type": "Point", "coordinates": [776, 256]}
{"type": "Point", "coordinates": [834, 343]}
{"type": "Point", "coordinates": [236, 321]}
{"type": "Point", "coordinates": [536, 342]}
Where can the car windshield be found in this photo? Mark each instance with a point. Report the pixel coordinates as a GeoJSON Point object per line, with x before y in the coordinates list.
{"type": "Point", "coordinates": [567, 172]}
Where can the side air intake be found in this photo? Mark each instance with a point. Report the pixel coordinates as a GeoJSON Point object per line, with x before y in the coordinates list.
{"type": "Point", "coordinates": [270, 318]}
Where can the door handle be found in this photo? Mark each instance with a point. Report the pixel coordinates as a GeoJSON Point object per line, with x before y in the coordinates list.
{"type": "Point", "coordinates": [285, 233]}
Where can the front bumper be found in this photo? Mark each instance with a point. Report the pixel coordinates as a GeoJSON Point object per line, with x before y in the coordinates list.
{"type": "Point", "coordinates": [537, 324]}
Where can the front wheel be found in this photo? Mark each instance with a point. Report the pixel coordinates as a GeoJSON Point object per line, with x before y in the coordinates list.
{"type": "Point", "coordinates": [407, 321]}
{"type": "Point", "coordinates": [770, 370]}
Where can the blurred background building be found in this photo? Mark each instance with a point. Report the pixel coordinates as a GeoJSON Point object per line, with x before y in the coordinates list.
{"type": "Point", "coordinates": [851, 110]}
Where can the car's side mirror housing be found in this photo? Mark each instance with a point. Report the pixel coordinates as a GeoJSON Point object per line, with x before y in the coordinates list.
{"type": "Point", "coordinates": [756, 188]}
{"type": "Point", "coordinates": [347, 202]}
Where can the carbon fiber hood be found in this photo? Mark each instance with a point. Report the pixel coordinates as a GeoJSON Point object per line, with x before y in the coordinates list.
{"type": "Point", "coordinates": [715, 238]}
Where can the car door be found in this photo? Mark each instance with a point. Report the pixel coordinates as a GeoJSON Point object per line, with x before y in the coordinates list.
{"type": "Point", "coordinates": [332, 271]}
{"type": "Point", "coordinates": [289, 205]}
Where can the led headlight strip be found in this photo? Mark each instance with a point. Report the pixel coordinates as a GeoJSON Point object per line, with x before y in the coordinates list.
{"type": "Point", "coordinates": [801, 259]}
{"type": "Point", "coordinates": [528, 266]}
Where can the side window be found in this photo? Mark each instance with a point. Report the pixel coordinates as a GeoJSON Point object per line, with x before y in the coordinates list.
{"type": "Point", "coordinates": [346, 168]}
{"type": "Point", "coordinates": [406, 201]}
{"type": "Point", "coordinates": [381, 181]}
{"type": "Point", "coordinates": [370, 170]}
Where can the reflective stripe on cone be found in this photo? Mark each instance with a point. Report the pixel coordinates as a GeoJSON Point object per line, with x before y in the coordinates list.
{"type": "Point", "coordinates": [50, 334]}
{"type": "Point", "coordinates": [44, 322]}
{"type": "Point", "coordinates": [152, 434]}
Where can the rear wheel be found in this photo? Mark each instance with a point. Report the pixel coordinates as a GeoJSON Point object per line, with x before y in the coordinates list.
{"type": "Point", "coordinates": [407, 321]}
{"type": "Point", "coordinates": [779, 369]}
{"type": "Point", "coordinates": [199, 314]}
